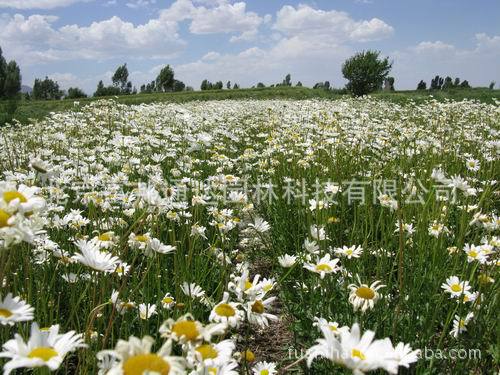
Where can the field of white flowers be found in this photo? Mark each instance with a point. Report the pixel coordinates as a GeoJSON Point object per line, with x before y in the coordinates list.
{"type": "Point", "coordinates": [251, 237]}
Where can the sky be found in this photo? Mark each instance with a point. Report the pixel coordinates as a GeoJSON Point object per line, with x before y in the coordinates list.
{"type": "Point", "coordinates": [79, 42]}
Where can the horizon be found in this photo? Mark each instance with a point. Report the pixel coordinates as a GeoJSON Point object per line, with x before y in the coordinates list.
{"type": "Point", "coordinates": [79, 42]}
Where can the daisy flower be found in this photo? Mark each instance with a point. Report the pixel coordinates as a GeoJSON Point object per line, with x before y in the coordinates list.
{"type": "Point", "coordinates": [134, 356]}
{"type": "Point", "coordinates": [186, 329]}
{"type": "Point", "coordinates": [472, 164]}
{"type": "Point", "coordinates": [359, 353]}
{"type": "Point", "coordinates": [475, 253]}
{"type": "Point", "coordinates": [14, 310]}
{"type": "Point", "coordinates": [168, 302]}
{"type": "Point", "coordinates": [21, 199]}
{"type": "Point", "coordinates": [287, 261]}
{"type": "Point", "coordinates": [323, 266]}
{"type": "Point", "coordinates": [260, 225]}
{"type": "Point", "coordinates": [264, 368]}
{"type": "Point", "coordinates": [227, 312]}
{"type": "Point", "coordinates": [213, 355]}
{"type": "Point", "coordinates": [460, 324]}
{"type": "Point", "coordinates": [332, 326]}
{"type": "Point", "coordinates": [146, 311]}
{"type": "Point", "coordinates": [256, 312]}
{"type": "Point", "coordinates": [363, 296]}
{"type": "Point", "coordinates": [349, 252]}
{"type": "Point", "coordinates": [455, 287]}
{"type": "Point", "coordinates": [404, 354]}
{"type": "Point", "coordinates": [43, 349]}
{"type": "Point", "coordinates": [92, 257]}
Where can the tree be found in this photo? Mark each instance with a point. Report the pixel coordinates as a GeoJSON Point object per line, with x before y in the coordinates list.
{"type": "Point", "coordinates": [288, 80]}
{"type": "Point", "coordinates": [120, 79]}
{"type": "Point", "coordinates": [389, 84]}
{"type": "Point", "coordinates": [260, 85]}
{"type": "Point", "coordinates": [106, 91]}
{"type": "Point", "coordinates": [448, 83]}
{"type": "Point", "coordinates": [75, 93]}
{"type": "Point", "coordinates": [299, 84]}
{"type": "Point", "coordinates": [218, 85]}
{"type": "Point", "coordinates": [365, 72]}
{"type": "Point", "coordinates": [422, 85]}
{"type": "Point", "coordinates": [465, 84]}
{"type": "Point", "coordinates": [179, 85]}
{"type": "Point", "coordinates": [236, 86]}
{"type": "Point", "coordinates": [437, 83]}
{"type": "Point", "coordinates": [228, 85]}
{"type": "Point", "coordinates": [205, 85]}
{"type": "Point", "coordinates": [456, 83]}
{"type": "Point", "coordinates": [46, 89]}
{"type": "Point", "coordinates": [12, 83]}
{"type": "Point", "coordinates": [3, 73]}
{"type": "Point", "coordinates": [100, 89]}
{"type": "Point", "coordinates": [492, 85]}
{"type": "Point", "coordinates": [326, 85]}
{"type": "Point", "coordinates": [165, 80]}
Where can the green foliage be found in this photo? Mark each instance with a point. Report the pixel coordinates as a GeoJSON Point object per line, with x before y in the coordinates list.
{"type": "Point", "coordinates": [422, 85]}
{"type": "Point", "coordinates": [437, 83]}
{"type": "Point", "coordinates": [75, 93]}
{"type": "Point", "coordinates": [365, 72]}
{"type": "Point", "coordinates": [165, 80]}
{"type": "Point", "coordinates": [107, 91]}
{"type": "Point", "coordinates": [46, 89]}
{"type": "Point", "coordinates": [120, 79]}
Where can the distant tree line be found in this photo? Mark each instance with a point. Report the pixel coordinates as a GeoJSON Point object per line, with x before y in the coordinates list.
{"type": "Point", "coordinates": [10, 86]}
{"type": "Point", "coordinates": [441, 83]}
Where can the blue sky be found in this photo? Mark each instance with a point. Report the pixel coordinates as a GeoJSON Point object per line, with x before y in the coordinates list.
{"type": "Point", "coordinates": [79, 42]}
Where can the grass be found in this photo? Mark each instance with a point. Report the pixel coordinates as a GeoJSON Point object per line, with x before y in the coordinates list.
{"type": "Point", "coordinates": [234, 186]}
{"type": "Point", "coordinates": [37, 109]}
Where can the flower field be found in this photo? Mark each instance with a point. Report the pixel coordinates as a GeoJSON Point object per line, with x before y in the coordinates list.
{"type": "Point", "coordinates": [251, 237]}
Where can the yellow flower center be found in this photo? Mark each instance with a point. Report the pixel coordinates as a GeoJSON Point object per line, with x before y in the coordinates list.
{"type": "Point", "coordinates": [141, 238]}
{"type": "Point", "coordinates": [146, 363]}
{"type": "Point", "coordinates": [207, 351]}
{"type": "Point", "coordinates": [186, 328]}
{"type": "Point", "coordinates": [349, 252]}
{"type": "Point", "coordinates": [167, 300]}
{"type": "Point", "coordinates": [225, 309]}
{"type": "Point", "coordinates": [365, 292]}
{"type": "Point", "coordinates": [456, 288]}
{"type": "Point", "coordinates": [264, 372]}
{"type": "Point", "coordinates": [358, 354]}
{"type": "Point", "coordinates": [267, 287]}
{"type": "Point", "coordinates": [212, 370]}
{"type": "Point", "coordinates": [9, 196]}
{"type": "Point", "coordinates": [248, 355]}
{"type": "Point", "coordinates": [333, 328]}
{"type": "Point", "coordinates": [258, 307]}
{"type": "Point", "coordinates": [461, 323]}
{"type": "Point", "coordinates": [105, 237]}
{"type": "Point", "coordinates": [4, 218]}
{"type": "Point", "coordinates": [473, 254]}
{"type": "Point", "coordinates": [45, 353]}
{"type": "Point", "coordinates": [323, 268]}
{"type": "Point", "coordinates": [4, 313]}
{"type": "Point", "coordinates": [248, 285]}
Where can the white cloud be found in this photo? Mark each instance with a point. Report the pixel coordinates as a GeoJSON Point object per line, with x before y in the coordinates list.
{"type": "Point", "coordinates": [34, 39]}
{"type": "Point", "coordinates": [37, 4]}
{"type": "Point", "coordinates": [332, 25]}
{"type": "Point", "coordinates": [217, 16]}
{"type": "Point", "coordinates": [136, 4]}
{"type": "Point", "coordinates": [478, 65]}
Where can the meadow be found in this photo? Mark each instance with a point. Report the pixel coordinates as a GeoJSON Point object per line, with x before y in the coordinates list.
{"type": "Point", "coordinates": [37, 109]}
{"type": "Point", "coordinates": [251, 236]}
